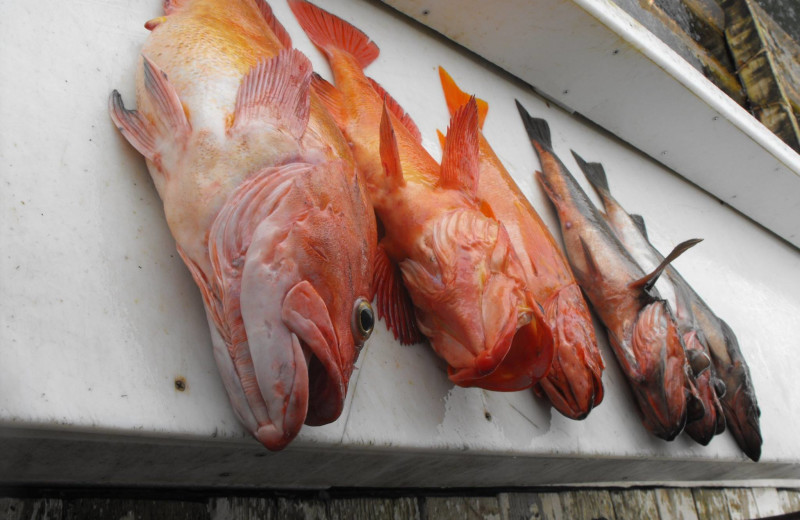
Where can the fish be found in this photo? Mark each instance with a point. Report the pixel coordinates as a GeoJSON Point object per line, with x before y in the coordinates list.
{"type": "Point", "coordinates": [726, 388]}
{"type": "Point", "coordinates": [708, 418]}
{"type": "Point", "coordinates": [269, 214]}
{"type": "Point", "coordinates": [574, 384]}
{"type": "Point", "coordinates": [455, 260]}
{"type": "Point", "coordinates": [640, 326]}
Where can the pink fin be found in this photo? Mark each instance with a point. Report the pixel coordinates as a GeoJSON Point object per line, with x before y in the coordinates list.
{"type": "Point", "coordinates": [395, 108]}
{"type": "Point", "coordinates": [392, 300]}
{"type": "Point", "coordinates": [330, 97]}
{"type": "Point", "coordinates": [390, 156]}
{"type": "Point", "coordinates": [135, 128]}
{"type": "Point", "coordinates": [326, 31]}
{"type": "Point", "coordinates": [276, 89]}
{"type": "Point", "coordinates": [460, 155]}
{"type": "Point", "coordinates": [456, 98]}
{"type": "Point", "coordinates": [170, 6]}
{"type": "Point", "coordinates": [274, 24]}
{"type": "Point", "coordinates": [169, 109]}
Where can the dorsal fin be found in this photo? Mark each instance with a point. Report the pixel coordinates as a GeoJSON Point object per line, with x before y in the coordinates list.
{"type": "Point", "coordinates": [648, 281]}
{"type": "Point", "coordinates": [460, 156]}
{"type": "Point", "coordinates": [168, 107]}
{"type": "Point", "coordinates": [392, 301]}
{"type": "Point", "coordinates": [327, 31]}
{"type": "Point", "coordinates": [456, 98]}
{"type": "Point", "coordinates": [276, 89]}
{"type": "Point", "coordinates": [395, 108]}
{"type": "Point", "coordinates": [639, 221]}
{"type": "Point", "coordinates": [330, 96]}
{"type": "Point", "coordinates": [390, 156]}
{"type": "Point", "coordinates": [274, 24]}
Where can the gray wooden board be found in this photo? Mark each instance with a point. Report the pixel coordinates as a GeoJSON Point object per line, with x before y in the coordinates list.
{"type": "Point", "coordinates": [741, 503]}
{"type": "Point", "coordinates": [461, 508]}
{"type": "Point", "coordinates": [374, 508]}
{"type": "Point", "coordinates": [30, 509]}
{"type": "Point", "coordinates": [133, 509]}
{"type": "Point", "coordinates": [587, 505]}
{"type": "Point", "coordinates": [532, 506]}
{"type": "Point", "coordinates": [789, 500]}
{"type": "Point", "coordinates": [711, 504]}
{"type": "Point", "coordinates": [634, 504]}
{"type": "Point", "coordinates": [242, 508]}
{"type": "Point", "coordinates": [676, 503]}
{"type": "Point", "coordinates": [767, 502]}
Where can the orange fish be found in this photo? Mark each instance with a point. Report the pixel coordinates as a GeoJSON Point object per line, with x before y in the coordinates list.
{"type": "Point", "coordinates": [262, 196]}
{"type": "Point", "coordinates": [574, 384]}
{"type": "Point", "coordinates": [641, 328]}
{"type": "Point", "coordinates": [456, 260]}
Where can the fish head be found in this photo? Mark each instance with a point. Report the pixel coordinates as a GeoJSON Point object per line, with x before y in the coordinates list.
{"type": "Point", "coordinates": [302, 289]}
{"type": "Point", "coordinates": [660, 384]}
{"type": "Point", "coordinates": [467, 285]}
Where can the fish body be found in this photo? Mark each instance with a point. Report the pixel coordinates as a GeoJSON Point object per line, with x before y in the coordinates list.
{"type": "Point", "coordinates": [641, 329]}
{"type": "Point", "coordinates": [574, 383]}
{"type": "Point", "coordinates": [456, 261]}
{"type": "Point", "coordinates": [262, 197]}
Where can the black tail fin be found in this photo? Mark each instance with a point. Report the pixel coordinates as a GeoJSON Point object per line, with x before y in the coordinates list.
{"type": "Point", "coordinates": [538, 129]}
{"type": "Point", "coordinates": [594, 173]}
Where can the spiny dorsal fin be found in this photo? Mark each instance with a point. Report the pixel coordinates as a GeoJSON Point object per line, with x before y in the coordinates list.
{"type": "Point", "coordinates": [276, 89]}
{"type": "Point", "coordinates": [168, 107]}
{"type": "Point", "coordinates": [460, 156]}
{"type": "Point", "coordinates": [392, 300]}
{"type": "Point", "coordinates": [456, 98]}
{"type": "Point", "coordinates": [648, 281]}
{"type": "Point", "coordinates": [538, 130]}
{"type": "Point", "coordinates": [390, 156]}
{"type": "Point", "coordinates": [395, 108]}
{"type": "Point", "coordinates": [326, 30]}
{"type": "Point", "coordinates": [639, 221]}
{"type": "Point", "coordinates": [330, 96]}
{"type": "Point", "coordinates": [274, 24]}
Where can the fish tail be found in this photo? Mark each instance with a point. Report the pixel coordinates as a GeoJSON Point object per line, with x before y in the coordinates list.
{"type": "Point", "coordinates": [538, 129]}
{"type": "Point", "coordinates": [594, 173]}
{"type": "Point", "coordinates": [456, 98]}
{"type": "Point", "coordinates": [329, 32]}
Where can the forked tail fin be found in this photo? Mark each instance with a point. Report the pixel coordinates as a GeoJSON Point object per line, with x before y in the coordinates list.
{"type": "Point", "coordinates": [538, 129]}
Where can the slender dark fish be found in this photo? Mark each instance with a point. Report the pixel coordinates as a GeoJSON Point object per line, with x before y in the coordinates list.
{"type": "Point", "coordinates": [641, 328]}
{"type": "Point", "coordinates": [703, 382]}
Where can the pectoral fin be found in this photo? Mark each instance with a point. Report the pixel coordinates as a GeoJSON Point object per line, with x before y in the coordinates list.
{"type": "Point", "coordinates": [647, 282]}
{"type": "Point", "coordinates": [392, 300]}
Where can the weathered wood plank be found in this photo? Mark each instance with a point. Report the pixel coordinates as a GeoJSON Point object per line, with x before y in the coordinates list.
{"type": "Point", "coordinates": [711, 504]}
{"type": "Point", "coordinates": [587, 505]}
{"type": "Point", "coordinates": [634, 504]}
{"type": "Point", "coordinates": [675, 504]}
{"type": "Point", "coordinates": [462, 508]}
{"type": "Point", "coordinates": [244, 508]}
{"type": "Point", "coordinates": [30, 509]}
{"type": "Point", "coordinates": [741, 503]}
{"type": "Point", "coordinates": [298, 509]}
{"type": "Point", "coordinates": [532, 506]}
{"type": "Point", "coordinates": [374, 508]}
{"type": "Point", "coordinates": [789, 500]}
{"type": "Point", "coordinates": [767, 502]}
{"type": "Point", "coordinates": [134, 509]}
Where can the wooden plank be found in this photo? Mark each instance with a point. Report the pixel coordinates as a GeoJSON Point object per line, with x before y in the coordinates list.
{"type": "Point", "coordinates": [244, 508]}
{"type": "Point", "coordinates": [30, 509]}
{"type": "Point", "coordinates": [767, 502]}
{"type": "Point", "coordinates": [741, 503]}
{"type": "Point", "coordinates": [675, 504]}
{"type": "Point", "coordinates": [789, 500]}
{"type": "Point", "coordinates": [299, 509]}
{"type": "Point", "coordinates": [134, 509]}
{"type": "Point", "coordinates": [711, 504]}
{"type": "Point", "coordinates": [374, 508]}
{"type": "Point", "coordinates": [461, 508]}
{"type": "Point", "coordinates": [587, 504]}
{"type": "Point", "coordinates": [634, 504]}
{"type": "Point", "coordinates": [532, 506]}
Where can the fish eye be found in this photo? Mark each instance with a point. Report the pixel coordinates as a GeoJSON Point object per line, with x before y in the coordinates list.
{"type": "Point", "coordinates": [363, 319]}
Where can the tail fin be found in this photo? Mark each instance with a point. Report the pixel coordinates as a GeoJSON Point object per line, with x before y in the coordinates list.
{"type": "Point", "coordinates": [538, 129]}
{"type": "Point", "coordinates": [594, 173]}
{"type": "Point", "coordinates": [328, 31]}
{"type": "Point", "coordinates": [456, 98]}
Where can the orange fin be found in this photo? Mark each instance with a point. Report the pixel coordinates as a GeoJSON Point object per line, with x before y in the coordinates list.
{"type": "Point", "coordinates": [169, 109]}
{"type": "Point", "coordinates": [274, 24]}
{"type": "Point", "coordinates": [456, 98]}
{"type": "Point", "coordinates": [441, 137]}
{"type": "Point", "coordinates": [395, 108]}
{"type": "Point", "coordinates": [460, 155]}
{"type": "Point", "coordinates": [390, 156]}
{"type": "Point", "coordinates": [138, 131]}
{"type": "Point", "coordinates": [392, 300]}
{"type": "Point", "coordinates": [276, 89]}
{"type": "Point", "coordinates": [326, 30]}
{"type": "Point", "coordinates": [649, 280]}
{"type": "Point", "coordinates": [330, 97]}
